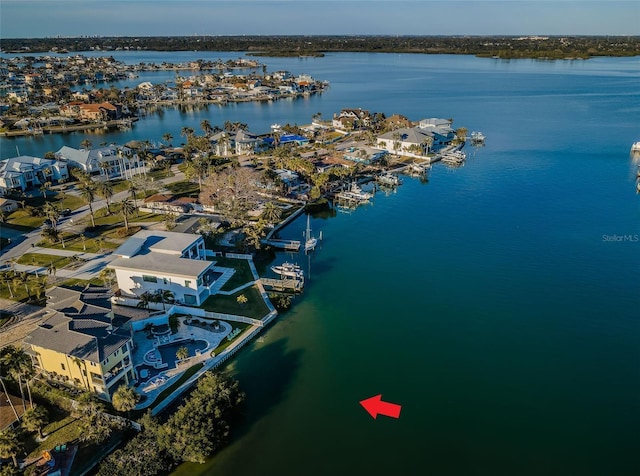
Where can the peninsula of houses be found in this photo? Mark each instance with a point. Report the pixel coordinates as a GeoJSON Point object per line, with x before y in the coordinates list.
{"type": "Point", "coordinates": [53, 94]}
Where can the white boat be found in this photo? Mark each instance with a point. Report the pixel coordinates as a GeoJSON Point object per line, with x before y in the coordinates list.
{"type": "Point", "coordinates": [356, 192]}
{"type": "Point", "coordinates": [419, 168]}
{"type": "Point", "coordinates": [275, 127]}
{"type": "Point", "coordinates": [310, 241]}
{"type": "Point", "coordinates": [635, 147]}
{"type": "Point", "coordinates": [388, 179]}
{"type": "Point", "coordinates": [477, 137]}
{"type": "Point", "coordinates": [290, 270]}
{"type": "Point", "coordinates": [456, 157]}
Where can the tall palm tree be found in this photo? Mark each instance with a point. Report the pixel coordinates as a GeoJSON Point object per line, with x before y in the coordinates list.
{"type": "Point", "coordinates": [86, 144]}
{"type": "Point", "coordinates": [145, 298]}
{"type": "Point", "coordinates": [106, 169]}
{"type": "Point", "coordinates": [165, 296]}
{"type": "Point", "coordinates": [10, 445]}
{"type": "Point", "coordinates": [105, 189]}
{"type": "Point", "coordinates": [87, 192]}
{"type": "Point", "coordinates": [85, 378]}
{"type": "Point", "coordinates": [167, 138]}
{"type": "Point", "coordinates": [52, 213]}
{"type": "Point", "coordinates": [205, 125]}
{"type": "Point", "coordinates": [132, 189]}
{"type": "Point", "coordinates": [186, 132]}
{"type": "Point", "coordinates": [35, 419]}
{"type": "Point", "coordinates": [6, 279]}
{"type": "Point", "coordinates": [126, 209]}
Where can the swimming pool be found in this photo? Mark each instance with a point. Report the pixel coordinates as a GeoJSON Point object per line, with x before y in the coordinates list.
{"type": "Point", "coordinates": [168, 351]}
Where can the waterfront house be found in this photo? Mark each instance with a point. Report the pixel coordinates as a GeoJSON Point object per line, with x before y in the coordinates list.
{"type": "Point", "coordinates": [112, 160]}
{"type": "Point", "coordinates": [351, 119]}
{"type": "Point", "coordinates": [364, 154]}
{"type": "Point", "coordinates": [21, 173]}
{"type": "Point", "coordinates": [440, 129]}
{"type": "Point", "coordinates": [80, 343]}
{"type": "Point", "coordinates": [414, 141]}
{"type": "Point", "coordinates": [156, 261]}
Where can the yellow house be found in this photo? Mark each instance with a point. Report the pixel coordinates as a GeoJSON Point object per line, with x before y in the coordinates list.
{"type": "Point", "coordinates": [79, 346]}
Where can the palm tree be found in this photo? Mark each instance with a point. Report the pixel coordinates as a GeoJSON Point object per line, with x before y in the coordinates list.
{"type": "Point", "coordinates": [85, 378]}
{"type": "Point", "coordinates": [86, 144]}
{"type": "Point", "coordinates": [145, 298]}
{"type": "Point", "coordinates": [126, 209]}
{"type": "Point", "coordinates": [52, 213]}
{"type": "Point", "coordinates": [6, 279]}
{"type": "Point", "coordinates": [106, 169]}
{"type": "Point", "coordinates": [205, 125]}
{"type": "Point", "coordinates": [167, 138]}
{"type": "Point", "coordinates": [35, 419]}
{"type": "Point", "coordinates": [182, 353]}
{"type": "Point", "coordinates": [105, 189]}
{"type": "Point", "coordinates": [107, 276]}
{"type": "Point", "coordinates": [10, 445]}
{"type": "Point", "coordinates": [124, 399]}
{"type": "Point", "coordinates": [271, 212]}
{"type": "Point", "coordinates": [242, 299]}
{"type": "Point", "coordinates": [87, 192]}
{"type": "Point", "coordinates": [165, 296]}
{"type": "Point", "coordinates": [186, 132]}
{"type": "Point", "coordinates": [132, 189]}
{"type": "Point", "coordinates": [51, 269]}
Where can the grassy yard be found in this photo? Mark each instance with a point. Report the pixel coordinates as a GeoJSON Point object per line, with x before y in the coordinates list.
{"type": "Point", "coordinates": [81, 282]}
{"type": "Point", "coordinates": [226, 343]}
{"type": "Point", "coordinates": [255, 307]}
{"type": "Point", "coordinates": [59, 432]}
{"type": "Point", "coordinates": [242, 275]}
{"type": "Point", "coordinates": [73, 242]}
{"type": "Point", "coordinates": [42, 259]}
{"type": "Point", "coordinates": [183, 189]}
{"type": "Point", "coordinates": [22, 217]}
{"type": "Point", "coordinates": [159, 174]}
{"type": "Point", "coordinates": [103, 218]}
{"type": "Point", "coordinates": [19, 289]}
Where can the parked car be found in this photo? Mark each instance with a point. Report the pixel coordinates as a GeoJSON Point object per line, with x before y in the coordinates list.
{"type": "Point", "coordinates": [66, 212]}
{"type": "Point", "coordinates": [47, 223]}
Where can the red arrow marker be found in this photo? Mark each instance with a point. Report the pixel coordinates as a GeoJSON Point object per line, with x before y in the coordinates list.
{"type": "Point", "coordinates": [375, 406]}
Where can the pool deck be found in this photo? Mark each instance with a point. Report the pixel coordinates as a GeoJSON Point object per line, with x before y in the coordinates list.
{"type": "Point", "coordinates": [145, 345]}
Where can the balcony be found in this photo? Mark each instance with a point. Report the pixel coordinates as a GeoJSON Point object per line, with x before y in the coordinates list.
{"type": "Point", "coordinates": [115, 373]}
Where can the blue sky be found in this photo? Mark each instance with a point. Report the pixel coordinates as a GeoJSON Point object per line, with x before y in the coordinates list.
{"type": "Point", "coordinates": [41, 18]}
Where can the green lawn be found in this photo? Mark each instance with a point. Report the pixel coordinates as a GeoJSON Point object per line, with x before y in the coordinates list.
{"type": "Point", "coordinates": [101, 217]}
{"type": "Point", "coordinates": [22, 217]}
{"type": "Point", "coordinates": [242, 275]}
{"type": "Point", "coordinates": [19, 290]}
{"type": "Point", "coordinates": [59, 432]}
{"type": "Point", "coordinates": [42, 259]}
{"type": "Point", "coordinates": [73, 242]}
{"type": "Point", "coordinates": [82, 282]}
{"type": "Point", "coordinates": [183, 189]}
{"type": "Point", "coordinates": [254, 308]}
{"type": "Point", "coordinates": [226, 343]}
{"type": "Point", "coordinates": [159, 174]}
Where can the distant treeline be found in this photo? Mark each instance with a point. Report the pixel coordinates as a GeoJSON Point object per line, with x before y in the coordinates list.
{"type": "Point", "coordinates": [554, 47]}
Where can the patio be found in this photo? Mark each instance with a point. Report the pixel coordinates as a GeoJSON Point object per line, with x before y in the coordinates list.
{"type": "Point", "coordinates": [158, 366]}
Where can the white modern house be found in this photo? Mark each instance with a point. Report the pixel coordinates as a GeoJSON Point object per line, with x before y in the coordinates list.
{"type": "Point", "coordinates": [24, 172]}
{"type": "Point", "coordinates": [113, 160]}
{"type": "Point", "coordinates": [155, 261]}
{"type": "Point", "coordinates": [406, 141]}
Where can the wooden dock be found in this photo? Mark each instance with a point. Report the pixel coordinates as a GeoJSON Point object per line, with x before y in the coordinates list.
{"type": "Point", "coordinates": [289, 245]}
{"type": "Point", "coordinates": [287, 284]}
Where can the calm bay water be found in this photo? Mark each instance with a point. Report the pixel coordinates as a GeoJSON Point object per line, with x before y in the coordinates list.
{"type": "Point", "coordinates": [487, 302]}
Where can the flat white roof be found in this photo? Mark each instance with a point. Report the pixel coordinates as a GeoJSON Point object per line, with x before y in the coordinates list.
{"type": "Point", "coordinates": [166, 242]}
{"type": "Point", "coordinates": [160, 264]}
